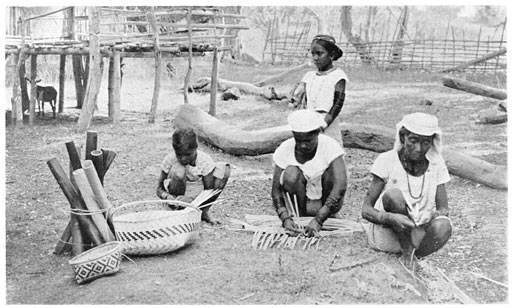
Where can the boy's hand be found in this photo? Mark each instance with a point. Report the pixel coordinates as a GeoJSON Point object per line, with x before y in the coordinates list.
{"type": "Point", "coordinates": [184, 199]}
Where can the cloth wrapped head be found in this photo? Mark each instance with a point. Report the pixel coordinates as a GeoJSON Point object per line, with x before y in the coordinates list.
{"type": "Point", "coordinates": [329, 43]}
{"type": "Point", "coordinates": [304, 120]}
{"type": "Point", "coordinates": [422, 124]}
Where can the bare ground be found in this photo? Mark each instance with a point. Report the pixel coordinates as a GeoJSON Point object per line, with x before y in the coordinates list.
{"type": "Point", "coordinates": [221, 267]}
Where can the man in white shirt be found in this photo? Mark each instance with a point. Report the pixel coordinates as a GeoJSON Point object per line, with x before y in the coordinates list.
{"type": "Point", "coordinates": [407, 203]}
{"type": "Point", "coordinates": [309, 170]}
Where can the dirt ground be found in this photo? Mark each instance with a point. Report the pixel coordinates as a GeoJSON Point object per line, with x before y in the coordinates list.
{"type": "Point", "coordinates": [221, 267]}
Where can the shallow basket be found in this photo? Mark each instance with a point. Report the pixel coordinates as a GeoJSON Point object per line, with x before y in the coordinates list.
{"type": "Point", "coordinates": [96, 262]}
{"type": "Point", "coordinates": [153, 227]}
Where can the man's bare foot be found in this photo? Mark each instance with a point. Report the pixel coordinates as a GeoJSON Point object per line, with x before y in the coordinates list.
{"type": "Point", "coordinates": [408, 260]}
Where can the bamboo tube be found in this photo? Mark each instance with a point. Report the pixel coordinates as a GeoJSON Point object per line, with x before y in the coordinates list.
{"type": "Point", "coordinates": [97, 160]}
{"type": "Point", "coordinates": [99, 192]}
{"type": "Point", "coordinates": [91, 143]}
{"type": "Point", "coordinates": [63, 243]}
{"type": "Point", "coordinates": [108, 158]}
{"type": "Point", "coordinates": [91, 204]}
{"type": "Point", "coordinates": [74, 200]}
{"type": "Point", "coordinates": [74, 156]}
{"type": "Point", "coordinates": [76, 233]}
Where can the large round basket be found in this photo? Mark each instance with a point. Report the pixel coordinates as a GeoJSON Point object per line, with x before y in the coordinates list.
{"type": "Point", "coordinates": [99, 261]}
{"type": "Point", "coordinates": [154, 227]}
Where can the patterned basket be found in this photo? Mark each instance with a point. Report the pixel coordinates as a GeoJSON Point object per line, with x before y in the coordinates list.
{"type": "Point", "coordinates": [153, 227]}
{"type": "Point", "coordinates": [99, 261]}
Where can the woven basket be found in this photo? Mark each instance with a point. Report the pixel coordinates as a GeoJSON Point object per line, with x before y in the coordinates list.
{"type": "Point", "coordinates": [153, 227]}
{"type": "Point", "coordinates": [99, 261]}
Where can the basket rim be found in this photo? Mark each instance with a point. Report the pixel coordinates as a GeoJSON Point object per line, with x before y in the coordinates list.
{"type": "Point", "coordinates": [76, 260]}
{"type": "Point", "coordinates": [175, 202]}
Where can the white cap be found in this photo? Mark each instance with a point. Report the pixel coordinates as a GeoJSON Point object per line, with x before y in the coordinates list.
{"type": "Point", "coordinates": [426, 125]}
{"type": "Point", "coordinates": [421, 123]}
{"type": "Point", "coordinates": [305, 120]}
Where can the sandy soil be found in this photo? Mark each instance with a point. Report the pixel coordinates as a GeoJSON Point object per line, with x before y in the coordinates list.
{"type": "Point", "coordinates": [221, 267]}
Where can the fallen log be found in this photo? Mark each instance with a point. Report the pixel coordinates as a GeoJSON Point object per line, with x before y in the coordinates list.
{"type": "Point", "coordinates": [369, 137]}
{"type": "Point", "coordinates": [282, 75]}
{"type": "Point", "coordinates": [491, 116]}
{"type": "Point", "coordinates": [474, 88]}
{"type": "Point", "coordinates": [476, 61]}
{"type": "Point", "coordinates": [203, 84]}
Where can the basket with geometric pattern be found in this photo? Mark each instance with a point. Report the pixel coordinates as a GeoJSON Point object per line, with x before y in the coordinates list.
{"type": "Point", "coordinates": [96, 262]}
{"type": "Point", "coordinates": [155, 226]}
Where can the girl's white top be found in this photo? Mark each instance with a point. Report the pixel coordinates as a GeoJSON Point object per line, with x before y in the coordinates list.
{"type": "Point", "coordinates": [320, 88]}
{"type": "Point", "coordinates": [327, 151]}
{"type": "Point", "coordinates": [388, 167]}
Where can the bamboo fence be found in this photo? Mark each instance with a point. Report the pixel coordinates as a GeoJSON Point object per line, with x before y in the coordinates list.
{"type": "Point", "coordinates": [429, 55]}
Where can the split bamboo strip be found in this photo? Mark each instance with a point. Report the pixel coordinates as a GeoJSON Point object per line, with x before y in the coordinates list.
{"type": "Point", "coordinates": [204, 196]}
{"type": "Point", "coordinates": [463, 297]}
{"type": "Point", "coordinates": [489, 279]}
{"type": "Point", "coordinates": [74, 200]}
{"type": "Point", "coordinates": [91, 204]}
{"type": "Point", "coordinates": [296, 204]}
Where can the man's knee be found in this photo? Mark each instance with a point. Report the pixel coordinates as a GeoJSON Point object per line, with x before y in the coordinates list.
{"type": "Point", "coordinates": [441, 228]}
{"type": "Point", "coordinates": [293, 177]}
{"type": "Point", "coordinates": [394, 201]}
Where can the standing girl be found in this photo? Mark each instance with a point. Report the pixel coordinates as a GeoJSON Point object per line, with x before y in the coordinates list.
{"type": "Point", "coordinates": [325, 88]}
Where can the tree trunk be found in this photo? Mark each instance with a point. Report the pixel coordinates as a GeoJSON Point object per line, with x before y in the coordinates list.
{"type": "Point", "coordinates": [370, 137]}
{"type": "Point", "coordinates": [474, 88]}
{"type": "Point", "coordinates": [78, 74]}
{"type": "Point", "coordinates": [33, 90]}
{"type": "Point", "coordinates": [158, 66]}
{"type": "Point", "coordinates": [398, 44]}
{"type": "Point", "coordinates": [115, 108]}
{"type": "Point", "coordinates": [62, 82]}
{"type": "Point", "coordinates": [93, 87]}
{"type": "Point", "coordinates": [356, 41]}
{"type": "Point", "coordinates": [213, 88]}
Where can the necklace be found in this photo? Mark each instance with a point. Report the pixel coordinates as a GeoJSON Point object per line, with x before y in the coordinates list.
{"type": "Point", "coordinates": [409, 186]}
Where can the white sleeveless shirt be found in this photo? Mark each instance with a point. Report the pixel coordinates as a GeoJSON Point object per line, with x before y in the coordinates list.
{"type": "Point", "coordinates": [320, 89]}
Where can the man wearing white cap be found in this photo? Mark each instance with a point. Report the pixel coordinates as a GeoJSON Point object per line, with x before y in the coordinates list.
{"type": "Point", "coordinates": [407, 203]}
{"type": "Point", "coordinates": [309, 170]}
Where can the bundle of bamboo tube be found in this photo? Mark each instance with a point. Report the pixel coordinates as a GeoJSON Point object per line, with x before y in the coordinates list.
{"type": "Point", "coordinates": [90, 224]}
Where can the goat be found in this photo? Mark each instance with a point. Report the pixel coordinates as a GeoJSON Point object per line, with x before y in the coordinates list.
{"type": "Point", "coordinates": [43, 95]}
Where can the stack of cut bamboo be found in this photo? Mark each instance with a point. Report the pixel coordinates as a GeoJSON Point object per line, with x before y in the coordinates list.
{"type": "Point", "coordinates": [90, 224]}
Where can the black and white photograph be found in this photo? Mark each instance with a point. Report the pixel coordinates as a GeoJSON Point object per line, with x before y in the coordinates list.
{"type": "Point", "coordinates": [231, 153]}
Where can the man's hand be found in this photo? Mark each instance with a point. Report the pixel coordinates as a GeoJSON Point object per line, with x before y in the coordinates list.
{"type": "Point", "coordinates": [290, 225]}
{"type": "Point", "coordinates": [400, 222]}
{"type": "Point", "coordinates": [313, 228]}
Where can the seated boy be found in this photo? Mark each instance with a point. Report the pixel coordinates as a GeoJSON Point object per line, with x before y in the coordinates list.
{"type": "Point", "coordinates": [187, 171]}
